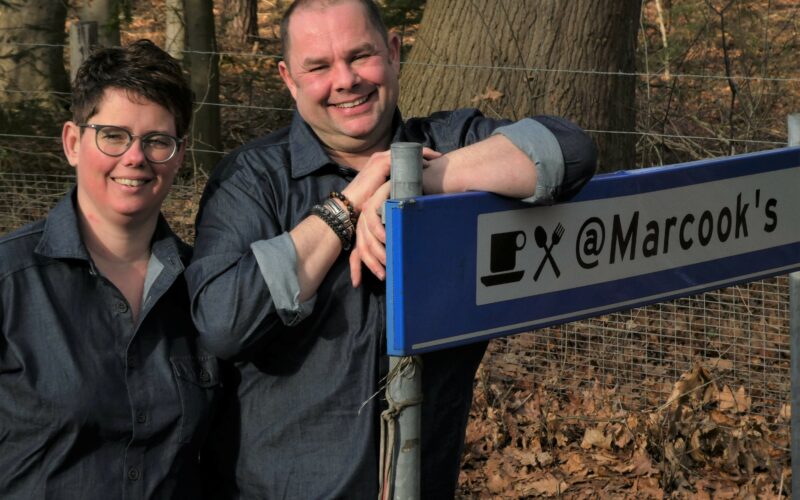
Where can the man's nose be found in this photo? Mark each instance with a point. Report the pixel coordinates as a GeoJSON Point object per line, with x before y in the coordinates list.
{"type": "Point", "coordinates": [344, 76]}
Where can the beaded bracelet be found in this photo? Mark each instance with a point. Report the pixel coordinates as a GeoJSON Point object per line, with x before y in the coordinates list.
{"type": "Point", "coordinates": [337, 219]}
{"type": "Point", "coordinates": [339, 196]}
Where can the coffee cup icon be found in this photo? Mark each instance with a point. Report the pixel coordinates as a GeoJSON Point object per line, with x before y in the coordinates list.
{"type": "Point", "coordinates": [503, 258]}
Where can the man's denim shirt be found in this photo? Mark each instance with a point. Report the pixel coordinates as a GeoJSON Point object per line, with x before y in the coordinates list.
{"type": "Point", "coordinates": [93, 406]}
{"type": "Point", "coordinates": [304, 422]}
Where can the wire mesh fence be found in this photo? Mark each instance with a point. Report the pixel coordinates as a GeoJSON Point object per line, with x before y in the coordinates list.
{"type": "Point", "coordinates": [740, 334]}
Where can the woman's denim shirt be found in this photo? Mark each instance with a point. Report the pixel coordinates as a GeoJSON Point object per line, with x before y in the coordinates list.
{"type": "Point", "coordinates": [91, 404]}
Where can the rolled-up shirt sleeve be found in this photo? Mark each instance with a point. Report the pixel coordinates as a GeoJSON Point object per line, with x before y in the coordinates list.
{"type": "Point", "coordinates": [282, 280]}
{"type": "Point", "coordinates": [564, 156]}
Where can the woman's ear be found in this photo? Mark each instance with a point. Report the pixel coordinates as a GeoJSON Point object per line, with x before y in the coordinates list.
{"type": "Point", "coordinates": [71, 142]}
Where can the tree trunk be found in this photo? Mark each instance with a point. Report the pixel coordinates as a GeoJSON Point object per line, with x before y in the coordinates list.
{"type": "Point", "coordinates": [106, 14]}
{"type": "Point", "coordinates": [245, 21]}
{"type": "Point", "coordinates": [517, 58]}
{"type": "Point", "coordinates": [176, 34]}
{"type": "Point", "coordinates": [203, 63]}
{"type": "Point", "coordinates": [31, 51]}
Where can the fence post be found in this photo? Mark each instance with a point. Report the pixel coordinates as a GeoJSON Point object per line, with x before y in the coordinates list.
{"type": "Point", "coordinates": [404, 386]}
{"type": "Point", "coordinates": [82, 37]}
{"type": "Point", "coordinates": [794, 342]}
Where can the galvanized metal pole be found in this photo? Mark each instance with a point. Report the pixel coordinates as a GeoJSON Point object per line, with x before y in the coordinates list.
{"type": "Point", "coordinates": [794, 339]}
{"type": "Point", "coordinates": [404, 387]}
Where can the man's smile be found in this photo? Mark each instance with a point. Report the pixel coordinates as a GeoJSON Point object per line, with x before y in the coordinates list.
{"type": "Point", "coordinates": [353, 104]}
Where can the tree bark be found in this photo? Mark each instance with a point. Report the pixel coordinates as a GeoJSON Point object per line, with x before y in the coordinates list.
{"type": "Point", "coordinates": [106, 14]}
{"type": "Point", "coordinates": [175, 32]}
{"type": "Point", "coordinates": [244, 24]}
{"type": "Point", "coordinates": [518, 58]}
{"type": "Point", "coordinates": [203, 62]}
{"type": "Point", "coordinates": [32, 37]}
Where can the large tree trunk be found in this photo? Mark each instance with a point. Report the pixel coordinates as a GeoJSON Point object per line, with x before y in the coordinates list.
{"type": "Point", "coordinates": [517, 58]}
{"type": "Point", "coordinates": [203, 62]}
{"type": "Point", "coordinates": [31, 50]}
{"type": "Point", "coordinates": [106, 14]}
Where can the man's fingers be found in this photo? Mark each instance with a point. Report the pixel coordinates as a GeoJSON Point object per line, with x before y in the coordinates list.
{"type": "Point", "coordinates": [355, 268]}
{"type": "Point", "coordinates": [370, 251]}
{"type": "Point", "coordinates": [430, 154]}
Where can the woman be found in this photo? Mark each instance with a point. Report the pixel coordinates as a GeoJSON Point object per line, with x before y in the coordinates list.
{"type": "Point", "coordinates": [103, 390]}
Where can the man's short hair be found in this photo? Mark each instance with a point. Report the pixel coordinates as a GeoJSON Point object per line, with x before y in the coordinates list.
{"type": "Point", "coordinates": [373, 16]}
{"type": "Point", "coordinates": [141, 69]}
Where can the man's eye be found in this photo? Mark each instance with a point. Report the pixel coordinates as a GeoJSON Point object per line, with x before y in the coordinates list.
{"type": "Point", "coordinates": [315, 69]}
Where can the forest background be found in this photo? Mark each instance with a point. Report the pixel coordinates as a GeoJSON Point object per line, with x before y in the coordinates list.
{"type": "Point", "coordinates": [654, 81]}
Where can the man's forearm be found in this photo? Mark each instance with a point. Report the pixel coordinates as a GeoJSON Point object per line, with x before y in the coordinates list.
{"type": "Point", "coordinates": [317, 248]}
{"type": "Point", "coordinates": [493, 165]}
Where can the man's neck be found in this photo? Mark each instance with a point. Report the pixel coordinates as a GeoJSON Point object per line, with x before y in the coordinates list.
{"type": "Point", "coordinates": [357, 160]}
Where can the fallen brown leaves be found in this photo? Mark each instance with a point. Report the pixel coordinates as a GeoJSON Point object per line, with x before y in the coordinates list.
{"type": "Point", "coordinates": [702, 443]}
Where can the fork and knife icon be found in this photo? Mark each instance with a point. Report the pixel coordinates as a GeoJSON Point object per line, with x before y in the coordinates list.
{"type": "Point", "coordinates": [540, 236]}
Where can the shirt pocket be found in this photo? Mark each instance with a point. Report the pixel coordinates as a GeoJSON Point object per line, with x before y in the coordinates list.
{"type": "Point", "coordinates": [198, 384]}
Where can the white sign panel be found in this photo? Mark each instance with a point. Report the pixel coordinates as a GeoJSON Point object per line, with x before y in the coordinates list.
{"type": "Point", "coordinates": [523, 253]}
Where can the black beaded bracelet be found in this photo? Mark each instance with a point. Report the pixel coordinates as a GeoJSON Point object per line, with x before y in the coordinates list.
{"type": "Point", "coordinates": [339, 228]}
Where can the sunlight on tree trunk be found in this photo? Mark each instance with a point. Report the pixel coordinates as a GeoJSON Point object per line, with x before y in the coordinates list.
{"type": "Point", "coordinates": [175, 32]}
{"type": "Point", "coordinates": [106, 14]}
{"type": "Point", "coordinates": [513, 59]}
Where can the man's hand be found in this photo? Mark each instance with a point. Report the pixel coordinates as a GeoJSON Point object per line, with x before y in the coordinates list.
{"type": "Point", "coordinates": [370, 246]}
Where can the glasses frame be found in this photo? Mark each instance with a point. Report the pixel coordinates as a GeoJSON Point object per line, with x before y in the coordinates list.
{"type": "Point", "coordinates": [131, 138]}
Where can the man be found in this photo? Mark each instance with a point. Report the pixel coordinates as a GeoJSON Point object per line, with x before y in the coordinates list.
{"type": "Point", "coordinates": [277, 288]}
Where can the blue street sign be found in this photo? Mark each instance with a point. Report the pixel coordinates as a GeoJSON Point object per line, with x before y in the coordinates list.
{"type": "Point", "coordinates": [468, 267]}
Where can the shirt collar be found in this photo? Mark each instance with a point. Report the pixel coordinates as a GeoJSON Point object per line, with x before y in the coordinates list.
{"type": "Point", "coordinates": [307, 152]}
{"type": "Point", "coordinates": [61, 237]}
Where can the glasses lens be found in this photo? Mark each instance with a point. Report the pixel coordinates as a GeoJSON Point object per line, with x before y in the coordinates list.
{"type": "Point", "coordinates": [159, 147]}
{"type": "Point", "coordinates": [113, 141]}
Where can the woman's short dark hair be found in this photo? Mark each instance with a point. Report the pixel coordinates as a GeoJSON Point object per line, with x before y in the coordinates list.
{"type": "Point", "coordinates": [370, 7]}
{"type": "Point", "coordinates": [142, 69]}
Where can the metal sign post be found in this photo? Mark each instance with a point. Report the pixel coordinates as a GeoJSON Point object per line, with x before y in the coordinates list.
{"type": "Point", "coordinates": [400, 456]}
{"type": "Point", "coordinates": [794, 336]}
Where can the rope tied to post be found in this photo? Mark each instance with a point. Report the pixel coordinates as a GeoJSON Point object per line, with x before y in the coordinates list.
{"type": "Point", "coordinates": [406, 368]}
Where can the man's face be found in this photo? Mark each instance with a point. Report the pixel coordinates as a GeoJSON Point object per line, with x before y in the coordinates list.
{"type": "Point", "coordinates": [343, 76]}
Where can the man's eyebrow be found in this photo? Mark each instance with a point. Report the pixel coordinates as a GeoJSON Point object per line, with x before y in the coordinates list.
{"type": "Point", "coordinates": [358, 49]}
{"type": "Point", "coordinates": [314, 61]}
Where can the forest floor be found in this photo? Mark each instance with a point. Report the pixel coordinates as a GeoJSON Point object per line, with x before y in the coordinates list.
{"type": "Point", "coordinates": [529, 437]}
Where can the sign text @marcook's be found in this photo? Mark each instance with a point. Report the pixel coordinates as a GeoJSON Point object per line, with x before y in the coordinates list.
{"type": "Point", "coordinates": [523, 253]}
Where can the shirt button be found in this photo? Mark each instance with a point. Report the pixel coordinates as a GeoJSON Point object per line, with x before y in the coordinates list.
{"type": "Point", "coordinates": [204, 375]}
{"type": "Point", "coordinates": [141, 417]}
{"type": "Point", "coordinates": [121, 306]}
{"type": "Point", "coordinates": [133, 474]}
{"type": "Point", "coordinates": [131, 361]}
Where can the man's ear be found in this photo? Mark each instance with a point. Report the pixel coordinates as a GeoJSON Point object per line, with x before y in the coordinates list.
{"type": "Point", "coordinates": [286, 76]}
{"type": "Point", "coordinates": [394, 51]}
{"type": "Point", "coordinates": [71, 142]}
